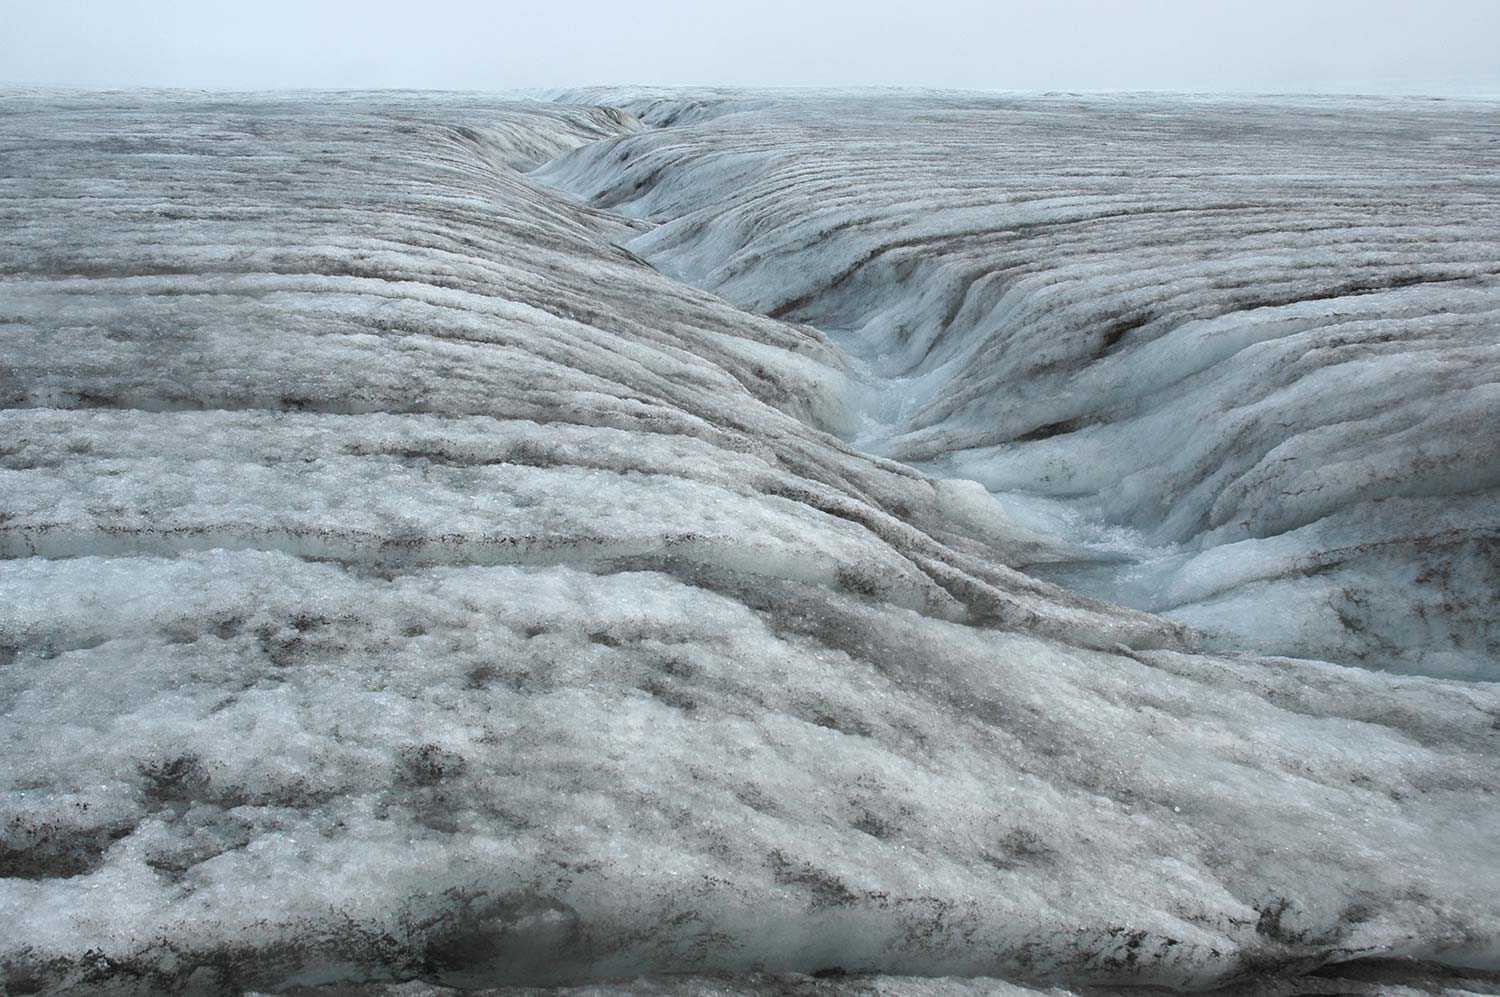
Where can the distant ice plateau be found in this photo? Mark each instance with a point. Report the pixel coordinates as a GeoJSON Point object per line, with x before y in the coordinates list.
{"type": "Point", "coordinates": [748, 542]}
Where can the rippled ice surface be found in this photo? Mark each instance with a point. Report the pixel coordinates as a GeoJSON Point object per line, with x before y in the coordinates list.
{"type": "Point", "coordinates": [1249, 348]}
{"type": "Point", "coordinates": [417, 566]}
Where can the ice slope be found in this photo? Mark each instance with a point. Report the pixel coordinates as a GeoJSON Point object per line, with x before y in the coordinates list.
{"type": "Point", "coordinates": [1246, 350]}
{"type": "Point", "coordinates": [400, 581]}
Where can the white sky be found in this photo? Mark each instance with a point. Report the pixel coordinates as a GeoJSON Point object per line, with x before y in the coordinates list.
{"type": "Point", "coordinates": [1412, 46]}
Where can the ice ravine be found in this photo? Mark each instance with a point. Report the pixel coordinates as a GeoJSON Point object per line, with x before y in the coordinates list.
{"type": "Point", "coordinates": [498, 542]}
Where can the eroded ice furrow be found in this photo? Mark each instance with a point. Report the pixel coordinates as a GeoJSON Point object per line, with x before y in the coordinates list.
{"type": "Point", "coordinates": [1193, 334]}
{"type": "Point", "coordinates": [401, 581]}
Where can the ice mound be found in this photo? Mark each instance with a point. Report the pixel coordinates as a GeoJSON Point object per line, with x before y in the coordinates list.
{"type": "Point", "coordinates": [400, 581]}
{"type": "Point", "coordinates": [1248, 332]}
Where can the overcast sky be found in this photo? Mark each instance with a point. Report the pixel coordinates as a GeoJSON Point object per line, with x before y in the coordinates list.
{"type": "Point", "coordinates": [1412, 46]}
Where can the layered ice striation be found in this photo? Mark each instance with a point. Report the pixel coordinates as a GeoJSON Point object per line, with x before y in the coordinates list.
{"type": "Point", "coordinates": [403, 581]}
{"type": "Point", "coordinates": [1247, 353]}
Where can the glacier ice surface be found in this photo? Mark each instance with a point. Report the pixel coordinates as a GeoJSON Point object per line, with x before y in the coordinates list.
{"type": "Point", "coordinates": [403, 580]}
{"type": "Point", "coordinates": [1243, 352]}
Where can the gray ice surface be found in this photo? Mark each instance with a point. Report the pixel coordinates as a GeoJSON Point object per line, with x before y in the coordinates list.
{"type": "Point", "coordinates": [402, 580]}
{"type": "Point", "coordinates": [1244, 352]}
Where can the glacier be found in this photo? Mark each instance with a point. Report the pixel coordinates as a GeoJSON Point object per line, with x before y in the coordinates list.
{"type": "Point", "coordinates": [721, 537]}
{"type": "Point", "coordinates": [1242, 352]}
